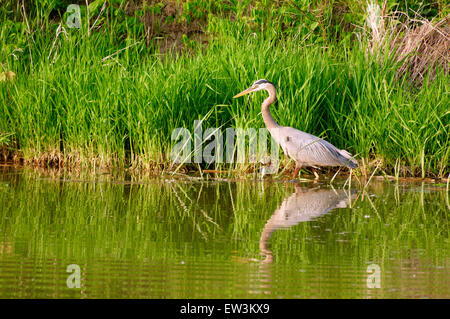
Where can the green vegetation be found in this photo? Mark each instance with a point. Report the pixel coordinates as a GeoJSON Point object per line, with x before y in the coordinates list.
{"type": "Point", "coordinates": [110, 93]}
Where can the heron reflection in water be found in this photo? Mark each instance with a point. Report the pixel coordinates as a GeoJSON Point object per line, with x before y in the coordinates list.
{"type": "Point", "coordinates": [302, 206]}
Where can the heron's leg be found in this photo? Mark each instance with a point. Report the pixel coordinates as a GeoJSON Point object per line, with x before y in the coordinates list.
{"type": "Point", "coordinates": [297, 169]}
{"type": "Point", "coordinates": [315, 174]}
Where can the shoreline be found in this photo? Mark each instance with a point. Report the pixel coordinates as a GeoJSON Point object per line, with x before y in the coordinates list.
{"type": "Point", "coordinates": [374, 170]}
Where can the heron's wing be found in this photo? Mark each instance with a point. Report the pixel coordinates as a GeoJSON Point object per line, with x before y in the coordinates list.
{"type": "Point", "coordinates": [308, 149]}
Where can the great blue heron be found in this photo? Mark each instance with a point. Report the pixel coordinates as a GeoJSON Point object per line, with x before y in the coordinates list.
{"type": "Point", "coordinates": [305, 149]}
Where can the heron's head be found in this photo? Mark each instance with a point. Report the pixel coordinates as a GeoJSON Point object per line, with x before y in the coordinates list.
{"type": "Point", "coordinates": [256, 86]}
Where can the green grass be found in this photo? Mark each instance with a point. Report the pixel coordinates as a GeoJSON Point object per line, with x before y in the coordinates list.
{"type": "Point", "coordinates": [71, 104]}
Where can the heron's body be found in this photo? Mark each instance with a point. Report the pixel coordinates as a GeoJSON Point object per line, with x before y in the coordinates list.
{"type": "Point", "coordinates": [309, 150]}
{"type": "Point", "coordinates": [304, 148]}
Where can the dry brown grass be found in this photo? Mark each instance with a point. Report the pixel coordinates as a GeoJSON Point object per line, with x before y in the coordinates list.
{"type": "Point", "coordinates": [422, 47]}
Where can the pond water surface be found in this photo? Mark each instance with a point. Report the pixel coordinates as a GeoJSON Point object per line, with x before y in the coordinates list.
{"type": "Point", "coordinates": [191, 238]}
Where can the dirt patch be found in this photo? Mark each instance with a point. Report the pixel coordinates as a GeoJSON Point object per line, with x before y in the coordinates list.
{"type": "Point", "coordinates": [166, 27]}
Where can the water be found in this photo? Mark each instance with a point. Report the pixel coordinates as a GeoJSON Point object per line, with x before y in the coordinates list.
{"type": "Point", "coordinates": [168, 238]}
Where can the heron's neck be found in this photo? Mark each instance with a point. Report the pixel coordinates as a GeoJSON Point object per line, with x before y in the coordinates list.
{"type": "Point", "coordinates": [267, 117]}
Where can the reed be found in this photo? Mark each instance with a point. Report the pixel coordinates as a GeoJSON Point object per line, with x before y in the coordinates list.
{"type": "Point", "coordinates": [103, 97]}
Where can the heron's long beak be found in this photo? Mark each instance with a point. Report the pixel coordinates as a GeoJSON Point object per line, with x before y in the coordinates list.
{"type": "Point", "coordinates": [249, 90]}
